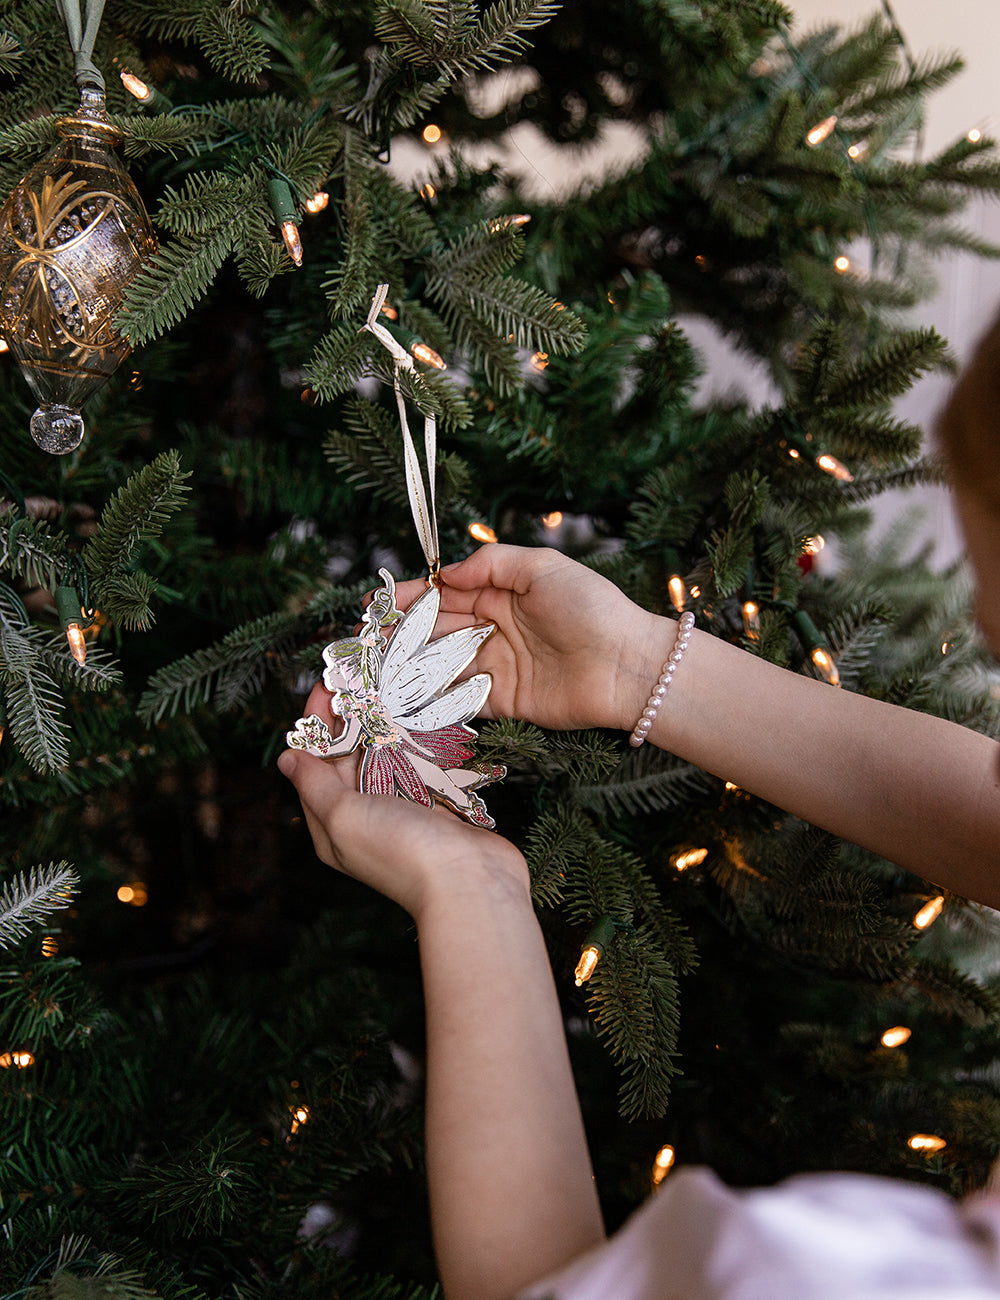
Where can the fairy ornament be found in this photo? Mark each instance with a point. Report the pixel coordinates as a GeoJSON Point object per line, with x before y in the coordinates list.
{"type": "Point", "coordinates": [391, 685]}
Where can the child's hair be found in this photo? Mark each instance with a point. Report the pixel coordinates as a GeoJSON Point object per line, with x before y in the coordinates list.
{"type": "Point", "coordinates": [969, 425]}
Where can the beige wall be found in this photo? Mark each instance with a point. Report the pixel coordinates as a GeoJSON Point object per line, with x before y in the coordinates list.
{"type": "Point", "coordinates": [969, 27]}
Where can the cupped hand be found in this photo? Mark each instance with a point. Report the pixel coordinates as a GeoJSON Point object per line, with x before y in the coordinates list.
{"type": "Point", "coordinates": [407, 852]}
{"type": "Point", "coordinates": [570, 649]}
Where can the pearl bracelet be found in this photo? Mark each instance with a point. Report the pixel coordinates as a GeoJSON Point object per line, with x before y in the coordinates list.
{"type": "Point", "coordinates": [642, 727]}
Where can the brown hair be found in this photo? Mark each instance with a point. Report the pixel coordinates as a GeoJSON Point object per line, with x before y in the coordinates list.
{"type": "Point", "coordinates": [969, 425]}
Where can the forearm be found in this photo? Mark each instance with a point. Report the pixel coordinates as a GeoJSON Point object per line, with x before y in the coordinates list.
{"type": "Point", "coordinates": [918, 790]}
{"type": "Point", "coordinates": [511, 1189]}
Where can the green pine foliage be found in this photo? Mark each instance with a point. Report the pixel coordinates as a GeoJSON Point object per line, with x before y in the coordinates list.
{"type": "Point", "coordinates": [239, 487]}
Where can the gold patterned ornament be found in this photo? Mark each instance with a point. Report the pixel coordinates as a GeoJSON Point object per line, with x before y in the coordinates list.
{"type": "Point", "coordinates": [73, 235]}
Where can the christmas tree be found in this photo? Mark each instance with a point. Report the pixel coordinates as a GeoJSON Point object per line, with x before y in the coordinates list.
{"type": "Point", "coordinates": [211, 1045]}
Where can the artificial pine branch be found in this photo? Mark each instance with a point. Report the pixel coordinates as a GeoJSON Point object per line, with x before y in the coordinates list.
{"type": "Point", "coordinates": [28, 900]}
{"type": "Point", "coordinates": [137, 512]}
{"type": "Point", "coordinates": [647, 780]}
{"type": "Point", "coordinates": [164, 292]}
{"type": "Point", "coordinates": [232, 43]}
{"type": "Point", "coordinates": [233, 668]}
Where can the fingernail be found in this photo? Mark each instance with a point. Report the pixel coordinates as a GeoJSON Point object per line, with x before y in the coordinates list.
{"type": "Point", "coordinates": [287, 763]}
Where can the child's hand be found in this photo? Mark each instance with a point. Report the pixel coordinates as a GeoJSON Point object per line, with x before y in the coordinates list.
{"type": "Point", "coordinates": [570, 649]}
{"type": "Point", "coordinates": [405, 851]}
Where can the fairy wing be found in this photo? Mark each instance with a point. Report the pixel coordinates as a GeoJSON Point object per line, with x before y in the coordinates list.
{"type": "Point", "coordinates": [410, 635]}
{"type": "Point", "coordinates": [416, 673]}
{"type": "Point", "coordinates": [463, 701]}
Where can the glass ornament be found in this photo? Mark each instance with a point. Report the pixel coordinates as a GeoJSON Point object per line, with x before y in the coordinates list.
{"type": "Point", "coordinates": [73, 235]}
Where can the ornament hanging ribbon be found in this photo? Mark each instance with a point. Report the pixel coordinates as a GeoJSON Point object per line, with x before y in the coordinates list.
{"type": "Point", "coordinates": [422, 503]}
{"type": "Point", "coordinates": [82, 32]}
{"type": "Point", "coordinates": [395, 689]}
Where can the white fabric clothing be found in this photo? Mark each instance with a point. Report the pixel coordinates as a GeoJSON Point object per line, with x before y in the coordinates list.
{"type": "Point", "coordinates": [812, 1237]}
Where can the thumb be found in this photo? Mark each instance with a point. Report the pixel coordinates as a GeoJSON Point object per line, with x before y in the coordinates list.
{"type": "Point", "coordinates": [288, 761]}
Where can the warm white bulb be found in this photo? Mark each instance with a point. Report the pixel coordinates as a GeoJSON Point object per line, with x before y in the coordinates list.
{"type": "Point", "coordinates": [929, 912]}
{"type": "Point", "coordinates": [663, 1163]}
{"type": "Point", "coordinates": [824, 663]}
{"type": "Point", "coordinates": [751, 618]}
{"type": "Point", "coordinates": [821, 130]}
{"type": "Point", "coordinates": [678, 592]}
{"type": "Point", "coordinates": [290, 234]}
{"type": "Point", "coordinates": [318, 202]}
{"type": "Point", "coordinates": [928, 1143]}
{"type": "Point", "coordinates": [136, 87]}
{"type": "Point", "coordinates": [431, 134]}
{"type": "Point", "coordinates": [834, 467]}
{"type": "Point", "coordinates": [482, 532]}
{"type": "Point", "coordinates": [690, 858]}
{"type": "Point", "coordinates": [842, 264]}
{"type": "Point", "coordinates": [553, 519]}
{"type": "Point", "coordinates": [587, 964]}
{"type": "Point", "coordinates": [897, 1036]}
{"type": "Point", "coordinates": [77, 642]}
{"type": "Point", "coordinates": [974, 136]}
{"type": "Point", "coordinates": [428, 356]}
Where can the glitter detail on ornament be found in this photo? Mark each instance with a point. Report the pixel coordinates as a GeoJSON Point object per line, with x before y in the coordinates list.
{"type": "Point", "coordinates": [73, 235]}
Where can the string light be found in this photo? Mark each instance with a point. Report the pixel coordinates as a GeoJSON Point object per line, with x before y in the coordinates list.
{"type": "Point", "coordinates": [136, 87]}
{"type": "Point", "coordinates": [751, 619]}
{"type": "Point", "coordinates": [974, 135]}
{"type": "Point", "coordinates": [825, 666]}
{"type": "Point", "coordinates": [20, 1060]}
{"type": "Point", "coordinates": [300, 1115]}
{"type": "Point", "coordinates": [689, 858]}
{"type": "Point", "coordinates": [926, 1143]}
{"type": "Point", "coordinates": [428, 356]}
{"type": "Point", "coordinates": [283, 207]}
{"type": "Point", "coordinates": [427, 192]}
{"type": "Point", "coordinates": [594, 945]}
{"type": "Point", "coordinates": [813, 545]}
{"type": "Point", "coordinates": [812, 642]}
{"type": "Point", "coordinates": [794, 453]}
{"type": "Point", "coordinates": [842, 264]}
{"type": "Point", "coordinates": [677, 592]}
{"type": "Point", "coordinates": [504, 223]}
{"type": "Point", "coordinates": [539, 360]}
{"type": "Point", "coordinates": [389, 311]}
{"type": "Point", "coordinates": [929, 913]}
{"type": "Point", "coordinates": [4, 346]}
{"type": "Point", "coordinates": [73, 621]}
{"type": "Point", "coordinates": [821, 131]}
{"type": "Point", "coordinates": [553, 519]}
{"type": "Point", "coordinates": [663, 1163]}
{"type": "Point", "coordinates": [897, 1036]}
{"type": "Point", "coordinates": [836, 468]}
{"type": "Point", "coordinates": [50, 946]}
{"type": "Point", "coordinates": [857, 150]}
{"type": "Point", "coordinates": [482, 532]}
{"type": "Point", "coordinates": [318, 202]}
{"type": "Point", "coordinates": [431, 133]}
{"type": "Point", "coordinates": [135, 894]}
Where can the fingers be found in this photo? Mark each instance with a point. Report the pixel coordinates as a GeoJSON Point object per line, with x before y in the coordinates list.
{"type": "Point", "coordinates": [510, 568]}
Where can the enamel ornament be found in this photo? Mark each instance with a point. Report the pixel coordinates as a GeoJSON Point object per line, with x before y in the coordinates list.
{"type": "Point", "coordinates": [392, 686]}
{"type": "Point", "coordinates": [396, 698]}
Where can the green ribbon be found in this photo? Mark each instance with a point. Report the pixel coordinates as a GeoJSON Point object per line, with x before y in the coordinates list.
{"type": "Point", "coordinates": [81, 28]}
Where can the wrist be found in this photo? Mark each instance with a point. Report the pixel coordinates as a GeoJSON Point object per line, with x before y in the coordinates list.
{"type": "Point", "coordinates": [496, 876]}
{"type": "Point", "coordinates": [651, 644]}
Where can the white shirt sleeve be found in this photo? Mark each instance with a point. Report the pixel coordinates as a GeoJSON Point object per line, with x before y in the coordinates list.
{"type": "Point", "coordinates": [813, 1237]}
